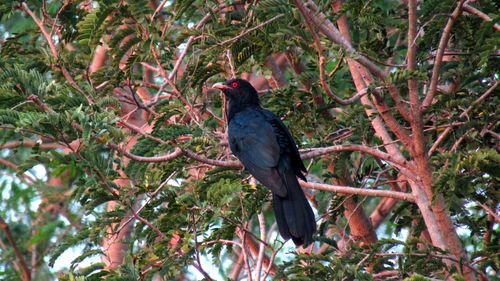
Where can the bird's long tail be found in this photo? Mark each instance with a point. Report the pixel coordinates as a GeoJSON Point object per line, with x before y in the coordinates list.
{"type": "Point", "coordinates": [293, 213]}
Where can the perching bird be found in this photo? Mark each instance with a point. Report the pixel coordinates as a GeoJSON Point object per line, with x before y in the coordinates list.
{"type": "Point", "coordinates": [267, 150]}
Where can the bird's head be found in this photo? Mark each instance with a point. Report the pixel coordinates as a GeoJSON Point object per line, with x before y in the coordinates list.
{"type": "Point", "coordinates": [239, 91]}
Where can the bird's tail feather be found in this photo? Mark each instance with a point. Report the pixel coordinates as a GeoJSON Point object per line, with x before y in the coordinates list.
{"type": "Point", "coordinates": [294, 215]}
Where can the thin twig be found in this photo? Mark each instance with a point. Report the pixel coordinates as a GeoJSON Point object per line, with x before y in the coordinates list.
{"type": "Point", "coordinates": [27, 175]}
{"type": "Point", "coordinates": [489, 211]}
{"type": "Point", "coordinates": [151, 196]}
{"type": "Point", "coordinates": [230, 62]}
{"type": "Point", "coordinates": [203, 272]}
{"type": "Point", "coordinates": [157, 159]}
{"type": "Point", "coordinates": [25, 273]}
{"type": "Point", "coordinates": [191, 39]}
{"type": "Point", "coordinates": [434, 255]}
{"type": "Point", "coordinates": [245, 254]}
{"type": "Point", "coordinates": [271, 260]}
{"type": "Point", "coordinates": [54, 52]}
{"type": "Point", "coordinates": [149, 224]}
{"type": "Point", "coordinates": [462, 115]}
{"type": "Point", "coordinates": [225, 42]}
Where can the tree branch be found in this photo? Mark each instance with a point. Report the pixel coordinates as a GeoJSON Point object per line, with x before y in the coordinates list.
{"type": "Point", "coordinates": [435, 255]}
{"type": "Point", "coordinates": [25, 273]}
{"type": "Point", "coordinates": [480, 14]}
{"type": "Point", "coordinates": [29, 143]}
{"type": "Point", "coordinates": [489, 211]}
{"type": "Point", "coordinates": [358, 191]}
{"type": "Point", "coordinates": [360, 74]}
{"type": "Point", "coordinates": [315, 152]}
{"type": "Point", "coordinates": [53, 50]}
{"type": "Point", "coordinates": [225, 42]}
{"type": "Point", "coordinates": [305, 154]}
{"type": "Point", "coordinates": [462, 115]}
{"type": "Point", "coordinates": [190, 41]}
{"type": "Point", "coordinates": [155, 159]}
{"type": "Point", "coordinates": [326, 27]}
{"type": "Point", "coordinates": [391, 122]}
{"type": "Point", "coordinates": [430, 219]}
{"type": "Point", "coordinates": [29, 178]}
{"type": "Point", "coordinates": [443, 42]}
{"type": "Point", "coordinates": [262, 226]}
{"type": "Point", "coordinates": [322, 75]}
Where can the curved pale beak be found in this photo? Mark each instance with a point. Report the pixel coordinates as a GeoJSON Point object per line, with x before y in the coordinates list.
{"type": "Point", "coordinates": [220, 86]}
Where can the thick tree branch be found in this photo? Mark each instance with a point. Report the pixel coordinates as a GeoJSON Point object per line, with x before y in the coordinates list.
{"type": "Point", "coordinates": [435, 217]}
{"type": "Point", "coordinates": [423, 169]}
{"type": "Point", "coordinates": [361, 77]}
{"type": "Point", "coordinates": [360, 225]}
{"type": "Point", "coordinates": [401, 133]}
{"type": "Point", "coordinates": [29, 143]}
{"type": "Point", "coordinates": [358, 191]}
{"type": "Point", "coordinates": [310, 11]}
{"type": "Point", "coordinates": [469, 9]}
{"type": "Point", "coordinates": [401, 164]}
{"type": "Point", "coordinates": [443, 42]}
{"type": "Point", "coordinates": [431, 221]}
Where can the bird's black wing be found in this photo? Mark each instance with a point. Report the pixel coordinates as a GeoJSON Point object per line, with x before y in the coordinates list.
{"type": "Point", "coordinates": [253, 140]}
{"type": "Point", "coordinates": [286, 143]}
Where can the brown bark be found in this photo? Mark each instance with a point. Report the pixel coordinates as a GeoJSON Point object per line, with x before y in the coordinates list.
{"type": "Point", "coordinates": [420, 153]}
{"type": "Point", "coordinates": [437, 221]}
{"type": "Point", "coordinates": [360, 226]}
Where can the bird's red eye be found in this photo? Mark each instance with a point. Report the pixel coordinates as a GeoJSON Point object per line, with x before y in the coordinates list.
{"type": "Point", "coordinates": [234, 85]}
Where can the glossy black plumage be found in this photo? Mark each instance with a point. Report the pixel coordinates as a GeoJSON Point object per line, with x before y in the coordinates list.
{"type": "Point", "coordinates": [267, 150]}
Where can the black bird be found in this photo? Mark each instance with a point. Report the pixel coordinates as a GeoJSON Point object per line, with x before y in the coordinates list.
{"type": "Point", "coordinates": [267, 150]}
